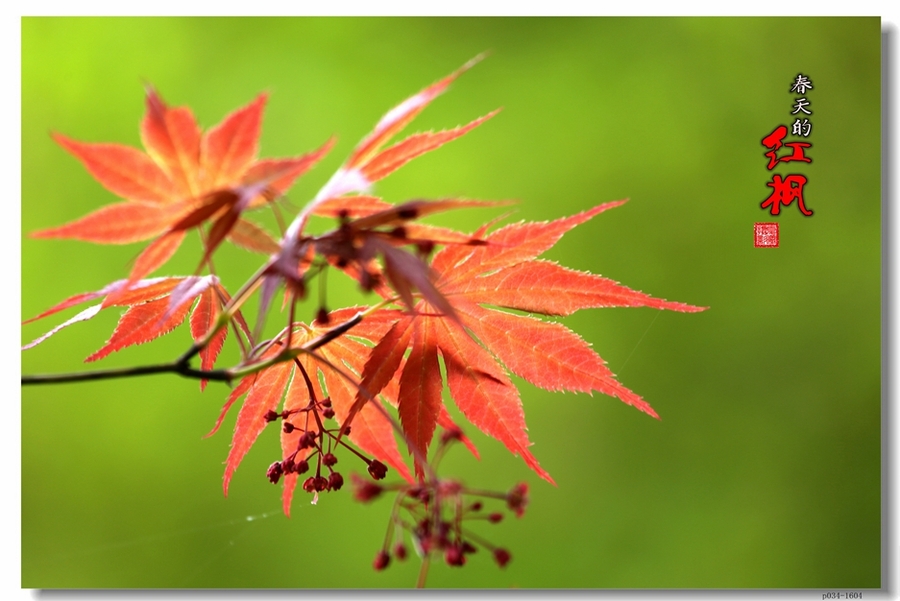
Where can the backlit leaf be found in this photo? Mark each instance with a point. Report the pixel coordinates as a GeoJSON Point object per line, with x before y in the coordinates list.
{"type": "Point", "coordinates": [474, 280]}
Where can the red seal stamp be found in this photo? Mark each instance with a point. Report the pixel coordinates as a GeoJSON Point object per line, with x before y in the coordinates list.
{"type": "Point", "coordinates": [765, 235]}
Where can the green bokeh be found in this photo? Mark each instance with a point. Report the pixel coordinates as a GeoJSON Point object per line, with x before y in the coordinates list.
{"type": "Point", "coordinates": [765, 468]}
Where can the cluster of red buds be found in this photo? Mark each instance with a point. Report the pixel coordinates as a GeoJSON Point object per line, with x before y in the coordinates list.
{"type": "Point", "coordinates": [433, 515]}
{"type": "Point", "coordinates": [436, 514]}
{"type": "Point", "coordinates": [316, 442]}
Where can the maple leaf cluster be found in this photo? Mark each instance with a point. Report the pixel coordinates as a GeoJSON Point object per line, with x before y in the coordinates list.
{"type": "Point", "coordinates": [337, 382]}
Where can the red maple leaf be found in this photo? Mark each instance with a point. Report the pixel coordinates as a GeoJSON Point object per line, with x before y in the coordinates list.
{"type": "Point", "coordinates": [185, 178]}
{"type": "Point", "coordinates": [478, 351]}
{"type": "Point", "coordinates": [155, 307]}
{"type": "Point", "coordinates": [368, 163]}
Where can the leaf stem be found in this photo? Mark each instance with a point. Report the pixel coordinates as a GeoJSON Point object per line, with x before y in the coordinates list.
{"type": "Point", "coordinates": [423, 571]}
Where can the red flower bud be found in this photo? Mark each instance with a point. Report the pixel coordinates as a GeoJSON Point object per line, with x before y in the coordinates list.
{"type": "Point", "coordinates": [364, 490]}
{"type": "Point", "coordinates": [307, 439]}
{"type": "Point", "coordinates": [400, 551]}
{"type": "Point", "coordinates": [274, 472]}
{"type": "Point", "coordinates": [381, 561]}
{"type": "Point", "coordinates": [502, 557]}
{"type": "Point", "coordinates": [517, 498]}
{"type": "Point", "coordinates": [377, 470]}
{"type": "Point", "coordinates": [454, 556]}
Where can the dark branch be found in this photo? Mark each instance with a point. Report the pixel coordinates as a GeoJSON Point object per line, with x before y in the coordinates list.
{"type": "Point", "coordinates": [179, 367]}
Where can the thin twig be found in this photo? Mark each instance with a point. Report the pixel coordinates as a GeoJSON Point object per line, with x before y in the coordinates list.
{"type": "Point", "coordinates": [177, 367]}
{"type": "Point", "coordinates": [423, 571]}
{"type": "Point", "coordinates": [181, 366]}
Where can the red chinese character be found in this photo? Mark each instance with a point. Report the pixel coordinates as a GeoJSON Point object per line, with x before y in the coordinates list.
{"type": "Point", "coordinates": [798, 152]}
{"type": "Point", "coordinates": [784, 192]}
{"type": "Point", "coordinates": [774, 141]}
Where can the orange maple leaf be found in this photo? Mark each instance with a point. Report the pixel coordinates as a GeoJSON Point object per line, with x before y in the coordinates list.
{"type": "Point", "coordinates": [155, 307]}
{"type": "Point", "coordinates": [479, 348]}
{"type": "Point", "coordinates": [185, 178]}
{"type": "Point", "coordinates": [368, 163]}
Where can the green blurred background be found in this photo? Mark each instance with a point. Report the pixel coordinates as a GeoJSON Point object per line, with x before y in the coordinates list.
{"type": "Point", "coordinates": [765, 468]}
